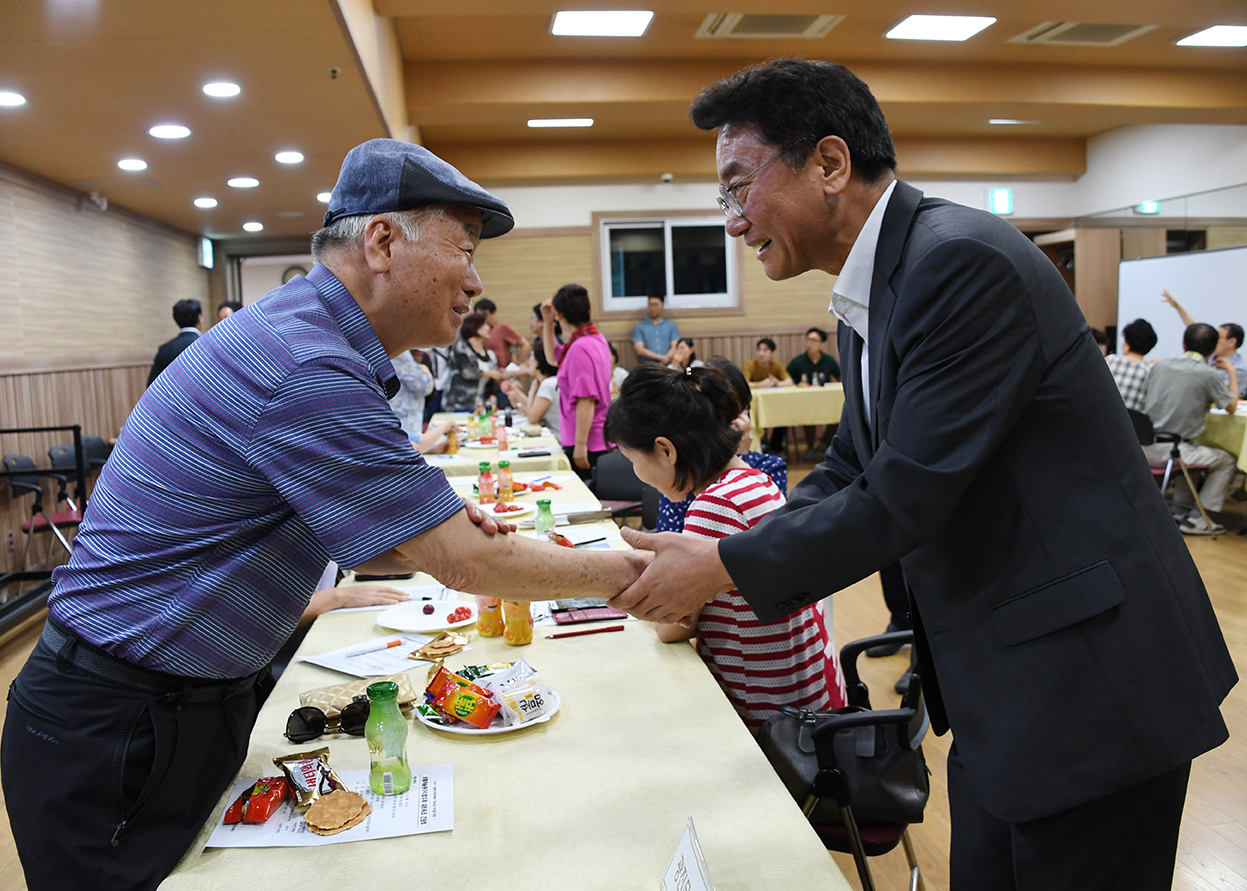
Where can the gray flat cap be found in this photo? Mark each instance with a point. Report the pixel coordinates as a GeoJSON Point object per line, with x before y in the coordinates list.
{"type": "Point", "coordinates": [385, 174]}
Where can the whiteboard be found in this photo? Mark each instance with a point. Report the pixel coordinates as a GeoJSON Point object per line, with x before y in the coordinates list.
{"type": "Point", "coordinates": [1210, 285]}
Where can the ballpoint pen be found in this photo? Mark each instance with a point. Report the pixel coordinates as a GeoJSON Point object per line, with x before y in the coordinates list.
{"type": "Point", "coordinates": [378, 648]}
{"type": "Point", "coordinates": [586, 631]}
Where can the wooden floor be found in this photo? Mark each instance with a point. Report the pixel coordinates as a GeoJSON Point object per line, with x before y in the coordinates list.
{"type": "Point", "coordinates": [1212, 854]}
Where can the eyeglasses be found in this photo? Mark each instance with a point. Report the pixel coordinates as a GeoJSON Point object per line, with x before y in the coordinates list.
{"type": "Point", "coordinates": [728, 202]}
{"type": "Point", "coordinates": [309, 722]}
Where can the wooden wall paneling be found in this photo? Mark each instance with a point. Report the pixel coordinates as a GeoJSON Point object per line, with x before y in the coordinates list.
{"type": "Point", "coordinates": [1218, 237]}
{"type": "Point", "coordinates": [1097, 253]}
{"type": "Point", "coordinates": [1142, 242]}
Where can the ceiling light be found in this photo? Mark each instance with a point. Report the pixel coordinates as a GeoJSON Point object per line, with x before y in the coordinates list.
{"type": "Point", "coordinates": [1010, 121]}
{"type": "Point", "coordinates": [222, 89]}
{"type": "Point", "coordinates": [132, 164]}
{"type": "Point", "coordinates": [939, 27]}
{"type": "Point", "coordinates": [561, 122]}
{"type": "Point", "coordinates": [253, 227]}
{"type": "Point", "coordinates": [324, 197]}
{"type": "Point", "coordinates": [205, 202]}
{"type": "Point", "coordinates": [242, 182]}
{"type": "Point", "coordinates": [601, 23]}
{"type": "Point", "coordinates": [12, 99]}
{"type": "Point", "coordinates": [1217, 35]}
{"type": "Point", "coordinates": [289, 157]}
{"type": "Point", "coordinates": [169, 131]}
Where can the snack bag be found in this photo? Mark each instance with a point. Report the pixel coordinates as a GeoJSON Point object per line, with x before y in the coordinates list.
{"type": "Point", "coordinates": [310, 776]}
{"type": "Point", "coordinates": [463, 704]}
{"type": "Point", "coordinates": [259, 802]}
{"type": "Point", "coordinates": [524, 701]}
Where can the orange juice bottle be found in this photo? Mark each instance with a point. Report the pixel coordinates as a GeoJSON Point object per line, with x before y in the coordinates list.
{"type": "Point", "coordinates": [501, 437]}
{"type": "Point", "coordinates": [452, 440]}
{"type": "Point", "coordinates": [506, 490]}
{"type": "Point", "coordinates": [488, 616]}
{"type": "Point", "coordinates": [485, 485]}
{"type": "Point", "coordinates": [517, 621]}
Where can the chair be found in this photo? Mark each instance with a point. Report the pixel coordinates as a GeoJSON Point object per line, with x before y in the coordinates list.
{"type": "Point", "coordinates": [40, 520]}
{"type": "Point", "coordinates": [96, 451]}
{"type": "Point", "coordinates": [616, 485]}
{"type": "Point", "coordinates": [1147, 435]}
{"type": "Point", "coordinates": [908, 726]}
{"type": "Point", "coordinates": [65, 468]}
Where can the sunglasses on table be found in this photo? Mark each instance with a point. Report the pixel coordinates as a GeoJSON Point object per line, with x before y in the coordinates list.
{"type": "Point", "coordinates": [309, 722]}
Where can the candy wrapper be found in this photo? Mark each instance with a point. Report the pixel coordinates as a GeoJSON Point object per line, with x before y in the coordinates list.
{"type": "Point", "coordinates": [520, 692]}
{"type": "Point", "coordinates": [261, 801]}
{"type": "Point", "coordinates": [310, 776]}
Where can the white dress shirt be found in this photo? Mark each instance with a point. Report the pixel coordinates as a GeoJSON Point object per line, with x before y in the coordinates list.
{"type": "Point", "coordinates": [850, 296]}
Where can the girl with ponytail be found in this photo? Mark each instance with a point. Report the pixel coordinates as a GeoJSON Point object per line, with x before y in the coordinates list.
{"type": "Point", "coordinates": [675, 426]}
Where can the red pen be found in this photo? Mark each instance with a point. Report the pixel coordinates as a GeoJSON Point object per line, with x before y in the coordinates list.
{"type": "Point", "coordinates": [586, 631]}
{"type": "Point", "coordinates": [376, 649]}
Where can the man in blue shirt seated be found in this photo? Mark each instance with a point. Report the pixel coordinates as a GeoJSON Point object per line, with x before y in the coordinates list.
{"type": "Point", "coordinates": [654, 338]}
{"type": "Point", "coordinates": [266, 451]}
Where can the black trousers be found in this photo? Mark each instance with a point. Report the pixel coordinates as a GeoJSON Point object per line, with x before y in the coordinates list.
{"type": "Point", "coordinates": [107, 786]}
{"type": "Point", "coordinates": [1126, 841]}
{"type": "Point", "coordinates": [581, 472]}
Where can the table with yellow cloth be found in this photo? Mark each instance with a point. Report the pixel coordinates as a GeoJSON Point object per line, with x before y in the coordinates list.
{"type": "Point", "coordinates": [467, 460]}
{"type": "Point", "coordinates": [796, 406]}
{"type": "Point", "coordinates": [1229, 432]}
{"type": "Point", "coordinates": [595, 798]}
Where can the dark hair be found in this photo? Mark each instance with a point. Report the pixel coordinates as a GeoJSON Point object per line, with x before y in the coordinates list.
{"type": "Point", "coordinates": [693, 354]}
{"type": "Point", "coordinates": [769, 343]}
{"type": "Point", "coordinates": [822, 335]}
{"type": "Point", "coordinates": [572, 303]}
{"type": "Point", "coordinates": [186, 313]}
{"type": "Point", "coordinates": [472, 323]}
{"type": "Point", "coordinates": [661, 298]}
{"type": "Point", "coordinates": [485, 305]}
{"type": "Point", "coordinates": [231, 305]}
{"type": "Point", "coordinates": [744, 395]}
{"type": "Point", "coordinates": [1099, 336]}
{"type": "Point", "coordinates": [1139, 336]}
{"type": "Point", "coordinates": [1235, 333]}
{"type": "Point", "coordinates": [787, 99]}
{"type": "Point", "coordinates": [1201, 338]}
{"type": "Point", "coordinates": [693, 408]}
{"type": "Point", "coordinates": [558, 329]}
{"type": "Point", "coordinates": [611, 347]}
{"type": "Point", "coordinates": [543, 364]}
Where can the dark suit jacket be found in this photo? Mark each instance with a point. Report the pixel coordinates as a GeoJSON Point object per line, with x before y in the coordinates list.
{"type": "Point", "coordinates": [1063, 631]}
{"type": "Point", "coordinates": [168, 352]}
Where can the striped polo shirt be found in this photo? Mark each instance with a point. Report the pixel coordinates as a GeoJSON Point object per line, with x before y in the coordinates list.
{"type": "Point", "coordinates": [760, 667]}
{"type": "Point", "coordinates": [266, 449]}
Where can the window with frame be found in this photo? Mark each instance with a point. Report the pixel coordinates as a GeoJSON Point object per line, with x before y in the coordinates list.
{"type": "Point", "coordinates": [688, 260]}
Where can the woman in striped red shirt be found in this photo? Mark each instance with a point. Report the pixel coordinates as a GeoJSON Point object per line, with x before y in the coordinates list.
{"type": "Point", "coordinates": [675, 426]}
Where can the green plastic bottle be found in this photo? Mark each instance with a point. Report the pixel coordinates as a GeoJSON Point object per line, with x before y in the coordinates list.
{"type": "Point", "coordinates": [545, 518]}
{"type": "Point", "coordinates": [386, 732]}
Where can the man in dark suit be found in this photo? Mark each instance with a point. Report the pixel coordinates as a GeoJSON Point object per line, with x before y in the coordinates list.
{"type": "Point", "coordinates": [1061, 628]}
{"type": "Point", "coordinates": [188, 315]}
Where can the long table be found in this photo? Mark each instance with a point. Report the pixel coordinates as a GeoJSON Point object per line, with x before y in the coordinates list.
{"type": "Point", "coordinates": [595, 798]}
{"type": "Point", "coordinates": [796, 406]}
{"type": "Point", "coordinates": [469, 456]}
{"type": "Point", "coordinates": [1229, 432]}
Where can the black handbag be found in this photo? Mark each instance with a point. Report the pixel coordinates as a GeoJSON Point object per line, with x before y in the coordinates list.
{"type": "Point", "coordinates": [881, 764]}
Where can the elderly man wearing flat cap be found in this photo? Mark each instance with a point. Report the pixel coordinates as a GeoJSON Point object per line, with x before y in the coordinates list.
{"type": "Point", "coordinates": [265, 450]}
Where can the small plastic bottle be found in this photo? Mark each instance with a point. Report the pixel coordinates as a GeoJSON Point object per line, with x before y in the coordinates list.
{"type": "Point", "coordinates": [386, 733]}
{"type": "Point", "coordinates": [488, 616]}
{"type": "Point", "coordinates": [506, 490]}
{"type": "Point", "coordinates": [452, 440]}
{"type": "Point", "coordinates": [473, 432]}
{"type": "Point", "coordinates": [501, 437]}
{"type": "Point", "coordinates": [517, 618]}
{"type": "Point", "coordinates": [544, 521]}
{"type": "Point", "coordinates": [485, 485]}
{"type": "Point", "coordinates": [805, 380]}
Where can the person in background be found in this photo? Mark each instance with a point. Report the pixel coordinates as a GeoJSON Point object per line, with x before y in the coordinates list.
{"type": "Point", "coordinates": [415, 383]}
{"type": "Point", "coordinates": [1129, 368]}
{"type": "Point", "coordinates": [584, 376]}
{"type": "Point", "coordinates": [763, 372]}
{"type": "Point", "coordinates": [678, 428]}
{"type": "Point", "coordinates": [684, 356]}
{"type": "Point", "coordinates": [227, 309]}
{"type": "Point", "coordinates": [1101, 340]}
{"type": "Point", "coordinates": [816, 368]}
{"type": "Point", "coordinates": [474, 367]}
{"type": "Point", "coordinates": [618, 374]}
{"type": "Point", "coordinates": [654, 338]}
{"type": "Point", "coordinates": [188, 316]}
{"type": "Point", "coordinates": [1229, 342]}
{"type": "Point", "coordinates": [541, 404]}
{"type": "Point", "coordinates": [535, 323]}
{"type": "Point", "coordinates": [1179, 391]}
{"type": "Point", "coordinates": [503, 337]}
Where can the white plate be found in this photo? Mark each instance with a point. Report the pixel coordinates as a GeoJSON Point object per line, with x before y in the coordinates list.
{"type": "Point", "coordinates": [469, 730]}
{"type": "Point", "coordinates": [478, 445]}
{"type": "Point", "coordinates": [410, 616]}
{"type": "Point", "coordinates": [524, 509]}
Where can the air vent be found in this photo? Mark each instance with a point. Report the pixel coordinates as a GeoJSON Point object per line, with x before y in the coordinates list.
{"type": "Point", "coordinates": [1080, 34]}
{"type": "Point", "coordinates": [749, 26]}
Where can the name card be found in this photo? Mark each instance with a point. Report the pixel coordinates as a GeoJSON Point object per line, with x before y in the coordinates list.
{"type": "Point", "coordinates": [687, 870]}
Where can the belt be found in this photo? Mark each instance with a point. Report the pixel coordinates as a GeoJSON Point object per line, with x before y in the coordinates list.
{"type": "Point", "coordinates": [72, 650]}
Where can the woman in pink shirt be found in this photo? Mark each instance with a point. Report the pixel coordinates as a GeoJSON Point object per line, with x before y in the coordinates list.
{"type": "Point", "coordinates": [584, 364]}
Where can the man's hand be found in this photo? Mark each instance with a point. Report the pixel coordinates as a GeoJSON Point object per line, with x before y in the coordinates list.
{"type": "Point", "coordinates": [684, 576]}
{"type": "Point", "coordinates": [745, 426]}
{"type": "Point", "coordinates": [1223, 363]}
{"type": "Point", "coordinates": [488, 524]}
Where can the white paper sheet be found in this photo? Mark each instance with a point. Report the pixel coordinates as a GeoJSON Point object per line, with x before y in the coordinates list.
{"type": "Point", "coordinates": [418, 593]}
{"type": "Point", "coordinates": [428, 806]}
{"type": "Point", "coordinates": [352, 660]}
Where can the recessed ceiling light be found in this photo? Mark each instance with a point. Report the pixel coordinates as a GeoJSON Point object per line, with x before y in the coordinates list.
{"type": "Point", "coordinates": [169, 131]}
{"type": "Point", "coordinates": [1217, 35]}
{"type": "Point", "coordinates": [205, 202]}
{"type": "Point", "coordinates": [242, 182]}
{"type": "Point", "coordinates": [12, 99]}
{"type": "Point", "coordinates": [289, 157]}
{"type": "Point", "coordinates": [939, 27]}
{"type": "Point", "coordinates": [253, 227]}
{"type": "Point", "coordinates": [222, 89]}
{"type": "Point", "coordinates": [1010, 121]}
{"type": "Point", "coordinates": [601, 23]}
{"type": "Point", "coordinates": [132, 164]}
{"type": "Point", "coordinates": [324, 197]}
{"type": "Point", "coordinates": [561, 122]}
